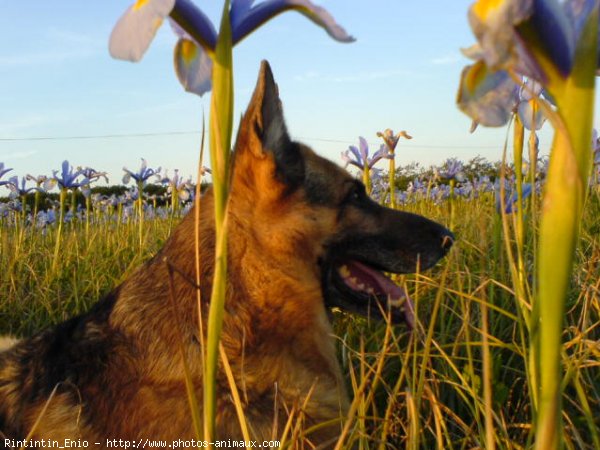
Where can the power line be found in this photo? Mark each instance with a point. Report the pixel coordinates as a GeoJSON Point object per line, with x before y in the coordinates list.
{"type": "Point", "coordinates": [97, 136]}
{"type": "Point", "coordinates": [183, 133]}
{"type": "Point", "coordinates": [403, 145]}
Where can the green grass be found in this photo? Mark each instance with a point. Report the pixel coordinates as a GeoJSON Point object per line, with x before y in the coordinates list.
{"type": "Point", "coordinates": [462, 380]}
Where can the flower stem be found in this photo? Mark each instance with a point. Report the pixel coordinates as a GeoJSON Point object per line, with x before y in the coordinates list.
{"type": "Point", "coordinates": [392, 181]}
{"type": "Point", "coordinates": [568, 174]}
{"type": "Point", "coordinates": [367, 178]}
{"type": "Point", "coordinates": [221, 124]}
{"type": "Point", "coordinates": [61, 218]}
{"type": "Point", "coordinates": [140, 205]}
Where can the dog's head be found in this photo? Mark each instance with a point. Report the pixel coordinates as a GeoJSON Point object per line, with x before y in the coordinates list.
{"type": "Point", "coordinates": [306, 209]}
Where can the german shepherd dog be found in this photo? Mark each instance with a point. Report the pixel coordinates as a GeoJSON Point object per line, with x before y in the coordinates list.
{"type": "Point", "coordinates": [303, 237]}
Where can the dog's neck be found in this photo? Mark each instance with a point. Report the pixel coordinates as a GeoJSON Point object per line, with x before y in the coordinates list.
{"type": "Point", "coordinates": [265, 272]}
{"type": "Point", "coordinates": [257, 323]}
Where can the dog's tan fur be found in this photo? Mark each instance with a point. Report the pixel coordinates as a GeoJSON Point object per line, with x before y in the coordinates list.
{"type": "Point", "coordinates": [115, 372]}
{"type": "Point", "coordinates": [7, 342]}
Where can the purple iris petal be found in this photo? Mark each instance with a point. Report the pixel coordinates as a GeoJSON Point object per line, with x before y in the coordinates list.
{"type": "Point", "coordinates": [493, 25]}
{"type": "Point", "coordinates": [487, 97]}
{"type": "Point", "coordinates": [357, 158]}
{"type": "Point", "coordinates": [511, 197]}
{"type": "Point", "coordinates": [556, 32]}
{"type": "Point", "coordinates": [378, 155]}
{"type": "Point", "coordinates": [3, 171]}
{"type": "Point", "coordinates": [194, 22]}
{"type": "Point", "coordinates": [348, 160]}
{"type": "Point", "coordinates": [529, 117]}
{"type": "Point", "coordinates": [246, 18]}
{"type": "Point", "coordinates": [65, 170]}
{"type": "Point", "coordinates": [525, 62]}
{"type": "Point", "coordinates": [141, 175]}
{"type": "Point", "coordinates": [135, 29]}
{"type": "Point", "coordinates": [364, 148]}
{"type": "Point", "coordinates": [92, 174]}
{"type": "Point", "coordinates": [193, 67]}
{"type": "Point", "coordinates": [577, 13]}
{"type": "Point", "coordinates": [531, 89]}
{"type": "Point", "coordinates": [452, 169]}
{"type": "Point", "coordinates": [239, 10]}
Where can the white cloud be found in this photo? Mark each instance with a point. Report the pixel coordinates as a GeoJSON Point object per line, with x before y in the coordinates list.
{"type": "Point", "coordinates": [448, 59]}
{"type": "Point", "coordinates": [8, 127]}
{"type": "Point", "coordinates": [60, 46]}
{"type": "Point", "coordinates": [13, 125]}
{"type": "Point", "coordinates": [370, 75]}
{"type": "Point", "coordinates": [357, 77]}
{"type": "Point", "coordinates": [19, 155]}
{"type": "Point", "coordinates": [309, 75]}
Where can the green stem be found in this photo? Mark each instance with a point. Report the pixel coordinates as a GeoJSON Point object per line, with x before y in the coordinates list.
{"type": "Point", "coordinates": [36, 203]}
{"type": "Point", "coordinates": [534, 200]}
{"type": "Point", "coordinates": [452, 206]}
{"type": "Point", "coordinates": [88, 211]}
{"type": "Point", "coordinates": [367, 178]}
{"type": "Point", "coordinates": [392, 182]}
{"type": "Point", "coordinates": [221, 124]}
{"type": "Point", "coordinates": [140, 205]}
{"type": "Point", "coordinates": [521, 274]}
{"type": "Point", "coordinates": [73, 206]}
{"type": "Point", "coordinates": [61, 218]}
{"type": "Point", "coordinates": [564, 195]}
{"type": "Point", "coordinates": [23, 208]}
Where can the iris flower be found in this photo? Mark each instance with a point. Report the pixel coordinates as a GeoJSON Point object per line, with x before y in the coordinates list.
{"type": "Point", "coordinates": [135, 30]}
{"type": "Point", "coordinates": [596, 147]}
{"type": "Point", "coordinates": [530, 114]}
{"type": "Point", "coordinates": [509, 33]}
{"type": "Point", "coordinates": [93, 174]}
{"type": "Point", "coordinates": [453, 169]}
{"type": "Point", "coordinates": [3, 171]}
{"type": "Point", "coordinates": [391, 140]}
{"type": "Point", "coordinates": [177, 186]}
{"type": "Point", "coordinates": [39, 180]}
{"type": "Point", "coordinates": [142, 175]}
{"type": "Point", "coordinates": [359, 157]}
{"type": "Point", "coordinates": [18, 189]}
{"type": "Point", "coordinates": [510, 197]}
{"type": "Point", "coordinates": [45, 218]}
{"type": "Point", "coordinates": [68, 179]}
{"type": "Point", "coordinates": [531, 38]}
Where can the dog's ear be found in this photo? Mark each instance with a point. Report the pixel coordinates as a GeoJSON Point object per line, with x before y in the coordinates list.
{"type": "Point", "coordinates": [263, 137]}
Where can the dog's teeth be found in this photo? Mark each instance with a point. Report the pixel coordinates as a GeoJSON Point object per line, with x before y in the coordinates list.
{"type": "Point", "coordinates": [344, 271]}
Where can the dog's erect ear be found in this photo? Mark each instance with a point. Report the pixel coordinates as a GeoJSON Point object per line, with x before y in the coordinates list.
{"type": "Point", "coordinates": [263, 134]}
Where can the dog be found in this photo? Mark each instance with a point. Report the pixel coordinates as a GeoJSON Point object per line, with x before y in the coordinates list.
{"type": "Point", "coordinates": [303, 237]}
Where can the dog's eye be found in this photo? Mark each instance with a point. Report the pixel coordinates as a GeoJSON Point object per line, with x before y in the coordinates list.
{"type": "Point", "coordinates": [356, 194]}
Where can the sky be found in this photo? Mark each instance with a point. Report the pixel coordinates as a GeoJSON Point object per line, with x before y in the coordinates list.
{"type": "Point", "coordinates": [63, 97]}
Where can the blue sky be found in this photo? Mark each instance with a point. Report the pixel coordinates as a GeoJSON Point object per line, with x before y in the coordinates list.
{"type": "Point", "coordinates": [63, 97]}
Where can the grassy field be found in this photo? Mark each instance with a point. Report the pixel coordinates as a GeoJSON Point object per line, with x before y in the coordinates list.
{"type": "Point", "coordinates": [462, 379]}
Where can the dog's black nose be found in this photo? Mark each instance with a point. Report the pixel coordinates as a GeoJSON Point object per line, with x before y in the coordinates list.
{"type": "Point", "coordinates": [447, 241]}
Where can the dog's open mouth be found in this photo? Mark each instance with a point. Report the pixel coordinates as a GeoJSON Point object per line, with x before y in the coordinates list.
{"type": "Point", "coordinates": [363, 289]}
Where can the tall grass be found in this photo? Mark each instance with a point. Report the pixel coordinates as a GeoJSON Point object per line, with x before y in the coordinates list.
{"type": "Point", "coordinates": [462, 379]}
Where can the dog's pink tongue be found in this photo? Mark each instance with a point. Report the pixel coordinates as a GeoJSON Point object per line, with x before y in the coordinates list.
{"type": "Point", "coordinates": [397, 297]}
